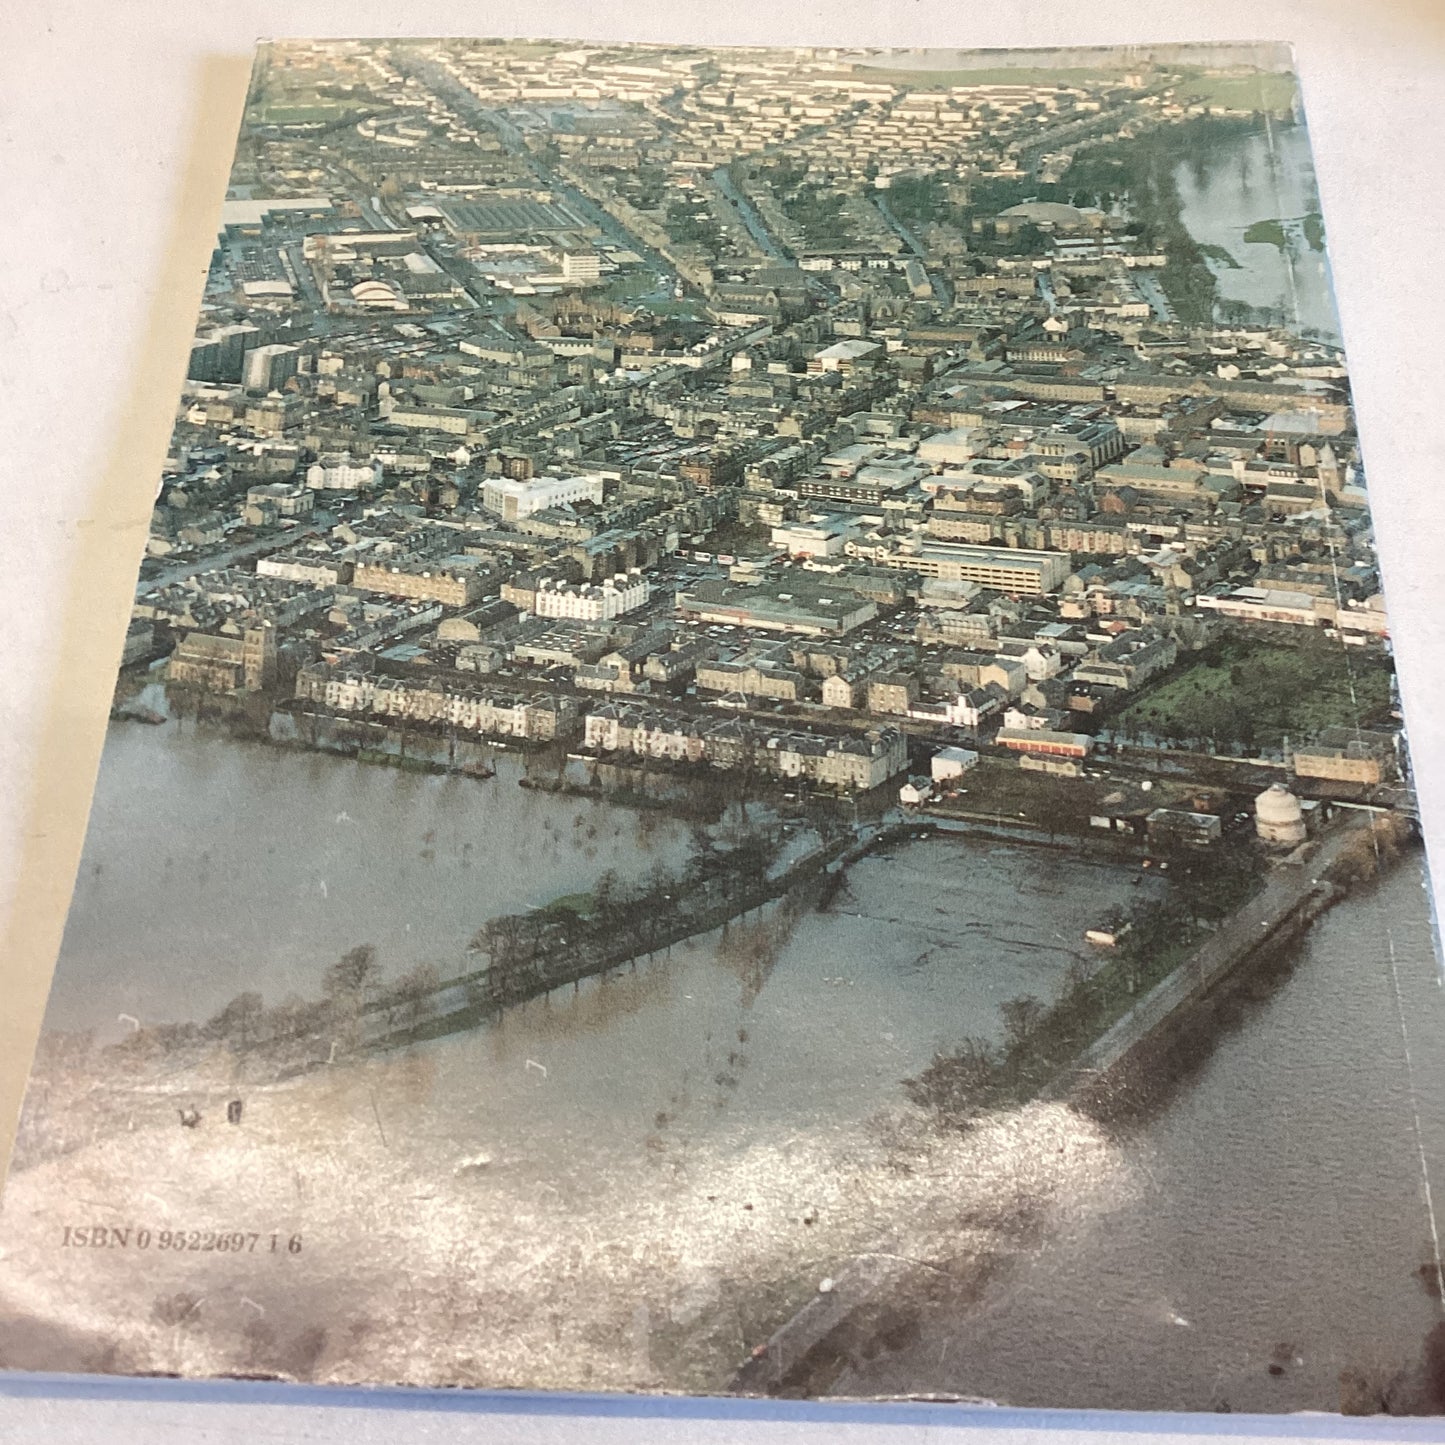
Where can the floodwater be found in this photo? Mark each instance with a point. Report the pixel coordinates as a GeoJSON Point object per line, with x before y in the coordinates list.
{"type": "Point", "coordinates": [1261, 176]}
{"type": "Point", "coordinates": [212, 867]}
{"type": "Point", "coordinates": [680, 1125]}
{"type": "Point", "coordinates": [713, 1125]}
{"type": "Point", "coordinates": [1277, 1201]}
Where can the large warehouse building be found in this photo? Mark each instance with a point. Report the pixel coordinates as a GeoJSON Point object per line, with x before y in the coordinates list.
{"type": "Point", "coordinates": [798, 605]}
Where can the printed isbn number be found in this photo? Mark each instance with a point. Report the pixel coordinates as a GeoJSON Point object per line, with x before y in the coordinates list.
{"type": "Point", "coordinates": [203, 1241]}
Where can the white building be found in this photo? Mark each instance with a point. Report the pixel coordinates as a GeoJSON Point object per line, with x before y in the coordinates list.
{"type": "Point", "coordinates": [581, 267]}
{"type": "Point", "coordinates": [1002, 569]}
{"type": "Point", "coordinates": [950, 763]}
{"type": "Point", "coordinates": [341, 474]}
{"type": "Point", "coordinates": [588, 602]}
{"type": "Point", "coordinates": [818, 539]}
{"type": "Point", "coordinates": [973, 709]}
{"type": "Point", "coordinates": [843, 355]}
{"type": "Point", "coordinates": [1268, 604]}
{"type": "Point", "coordinates": [323, 572]}
{"type": "Point", "coordinates": [915, 792]}
{"type": "Point", "coordinates": [267, 368]}
{"type": "Point", "coordinates": [1278, 816]}
{"type": "Point", "coordinates": [512, 499]}
{"type": "Point", "coordinates": [953, 447]}
{"type": "Point", "coordinates": [1041, 660]}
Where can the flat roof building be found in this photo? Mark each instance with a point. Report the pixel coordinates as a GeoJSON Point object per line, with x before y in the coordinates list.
{"type": "Point", "coordinates": [1002, 569]}
{"type": "Point", "coordinates": [513, 498]}
{"type": "Point", "coordinates": [817, 539]}
{"type": "Point", "coordinates": [792, 606]}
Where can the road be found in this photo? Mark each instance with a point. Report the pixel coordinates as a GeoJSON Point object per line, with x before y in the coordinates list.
{"type": "Point", "coordinates": [1153, 293]}
{"type": "Point", "coordinates": [1290, 888]}
{"type": "Point", "coordinates": [1046, 290]}
{"type": "Point", "coordinates": [750, 217]}
{"type": "Point", "coordinates": [448, 89]}
{"type": "Point", "coordinates": [301, 269]}
{"type": "Point", "coordinates": [941, 290]}
{"type": "Point", "coordinates": [244, 552]}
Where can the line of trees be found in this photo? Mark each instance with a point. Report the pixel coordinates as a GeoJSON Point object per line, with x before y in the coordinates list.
{"type": "Point", "coordinates": [525, 950]}
{"type": "Point", "coordinates": [351, 988]}
{"type": "Point", "coordinates": [1040, 1039]}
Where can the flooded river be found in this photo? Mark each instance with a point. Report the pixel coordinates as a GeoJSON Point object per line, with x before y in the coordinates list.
{"type": "Point", "coordinates": [213, 866]}
{"type": "Point", "coordinates": [687, 1145]}
{"type": "Point", "coordinates": [1278, 1200]}
{"type": "Point", "coordinates": [1265, 175]}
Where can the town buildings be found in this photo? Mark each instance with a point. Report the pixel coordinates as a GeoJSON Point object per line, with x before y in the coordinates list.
{"type": "Point", "coordinates": [751, 410]}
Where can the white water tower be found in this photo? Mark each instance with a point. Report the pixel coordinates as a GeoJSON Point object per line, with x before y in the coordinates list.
{"type": "Point", "coordinates": [1278, 816]}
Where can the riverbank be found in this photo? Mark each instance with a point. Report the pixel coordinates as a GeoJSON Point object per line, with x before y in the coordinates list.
{"type": "Point", "coordinates": [1160, 1038]}
{"type": "Point", "coordinates": [1300, 889]}
{"type": "Point", "coordinates": [876, 1295]}
{"type": "Point", "coordinates": [1251, 203]}
{"type": "Point", "coordinates": [1140, 173]}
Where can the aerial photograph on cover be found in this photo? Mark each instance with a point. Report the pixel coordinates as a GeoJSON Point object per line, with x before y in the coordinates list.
{"type": "Point", "coordinates": [756, 753]}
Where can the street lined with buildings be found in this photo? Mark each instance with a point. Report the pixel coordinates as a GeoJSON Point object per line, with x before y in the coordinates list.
{"type": "Point", "coordinates": [753, 409]}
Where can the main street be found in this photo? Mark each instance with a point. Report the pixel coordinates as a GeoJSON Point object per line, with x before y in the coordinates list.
{"type": "Point", "coordinates": [749, 216]}
{"type": "Point", "coordinates": [941, 289]}
{"type": "Point", "coordinates": [242, 552]}
{"type": "Point", "coordinates": [446, 87]}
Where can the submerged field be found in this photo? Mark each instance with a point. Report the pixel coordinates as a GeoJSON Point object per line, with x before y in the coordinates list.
{"type": "Point", "coordinates": [629, 1185]}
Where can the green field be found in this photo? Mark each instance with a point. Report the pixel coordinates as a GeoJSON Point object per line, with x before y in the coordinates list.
{"type": "Point", "coordinates": [1254, 694]}
{"type": "Point", "coordinates": [999, 75]}
{"type": "Point", "coordinates": [304, 113]}
{"type": "Point", "coordinates": [1266, 233]}
{"type": "Point", "coordinates": [1271, 91]}
{"type": "Point", "coordinates": [690, 308]}
{"type": "Point", "coordinates": [580, 905]}
{"type": "Point", "coordinates": [1272, 232]}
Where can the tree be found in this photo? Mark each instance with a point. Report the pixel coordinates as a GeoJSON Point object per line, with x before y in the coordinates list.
{"type": "Point", "coordinates": [701, 856]}
{"type": "Point", "coordinates": [751, 859]}
{"type": "Point", "coordinates": [412, 995]}
{"type": "Point", "coordinates": [1021, 1017]}
{"type": "Point", "coordinates": [239, 1020]}
{"type": "Point", "coordinates": [1077, 993]}
{"type": "Point", "coordinates": [952, 1083]}
{"type": "Point", "coordinates": [605, 894]}
{"type": "Point", "coordinates": [510, 943]}
{"type": "Point", "coordinates": [354, 975]}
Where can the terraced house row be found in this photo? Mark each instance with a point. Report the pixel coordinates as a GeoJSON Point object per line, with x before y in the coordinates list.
{"type": "Point", "coordinates": [834, 758]}
{"type": "Point", "coordinates": [437, 700]}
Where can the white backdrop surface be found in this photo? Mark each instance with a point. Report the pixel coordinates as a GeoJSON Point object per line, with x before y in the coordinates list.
{"type": "Point", "coordinates": [117, 124]}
